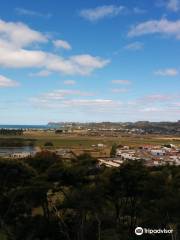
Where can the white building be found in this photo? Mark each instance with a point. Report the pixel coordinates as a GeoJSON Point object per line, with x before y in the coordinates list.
{"type": "Point", "coordinates": [158, 152]}
{"type": "Point", "coordinates": [108, 163]}
{"type": "Point", "coordinates": [100, 145]}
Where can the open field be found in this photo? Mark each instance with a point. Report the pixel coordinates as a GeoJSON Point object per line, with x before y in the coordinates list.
{"type": "Point", "coordinates": [75, 141]}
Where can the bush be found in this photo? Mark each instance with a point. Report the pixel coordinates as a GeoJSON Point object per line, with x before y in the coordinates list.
{"type": "Point", "coordinates": [48, 144]}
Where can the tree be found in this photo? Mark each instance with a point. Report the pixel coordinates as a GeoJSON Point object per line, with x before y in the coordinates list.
{"type": "Point", "coordinates": [126, 188]}
{"type": "Point", "coordinates": [46, 198]}
{"type": "Point", "coordinates": [48, 144]}
{"type": "Point", "coordinates": [113, 150]}
{"type": "Point", "coordinates": [42, 161]}
{"type": "Point", "coordinates": [15, 176]}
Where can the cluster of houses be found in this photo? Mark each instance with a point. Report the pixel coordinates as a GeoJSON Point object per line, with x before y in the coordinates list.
{"type": "Point", "coordinates": [18, 152]}
{"type": "Point", "coordinates": [18, 155]}
{"type": "Point", "coordinates": [151, 155]}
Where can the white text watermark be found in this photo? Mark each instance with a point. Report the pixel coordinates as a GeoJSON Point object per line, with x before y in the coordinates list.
{"type": "Point", "coordinates": [139, 231]}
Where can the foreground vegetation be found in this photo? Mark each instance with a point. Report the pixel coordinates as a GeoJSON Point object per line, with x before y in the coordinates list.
{"type": "Point", "coordinates": [45, 198]}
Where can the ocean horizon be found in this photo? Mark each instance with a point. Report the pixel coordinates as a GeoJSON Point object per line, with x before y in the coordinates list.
{"type": "Point", "coordinates": [24, 126]}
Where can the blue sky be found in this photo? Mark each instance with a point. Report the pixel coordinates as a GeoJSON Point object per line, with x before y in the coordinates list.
{"type": "Point", "coordinates": [102, 60]}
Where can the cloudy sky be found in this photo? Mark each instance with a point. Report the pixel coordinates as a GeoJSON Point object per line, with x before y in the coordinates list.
{"type": "Point", "coordinates": [98, 60]}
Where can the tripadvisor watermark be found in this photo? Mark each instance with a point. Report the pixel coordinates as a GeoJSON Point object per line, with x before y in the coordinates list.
{"type": "Point", "coordinates": [139, 231]}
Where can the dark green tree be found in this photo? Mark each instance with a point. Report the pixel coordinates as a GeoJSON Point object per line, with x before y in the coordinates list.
{"type": "Point", "coordinates": [113, 150]}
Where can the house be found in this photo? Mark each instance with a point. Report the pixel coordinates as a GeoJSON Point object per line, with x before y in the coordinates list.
{"type": "Point", "coordinates": [126, 147]}
{"type": "Point", "coordinates": [174, 159]}
{"type": "Point", "coordinates": [108, 163]}
{"type": "Point", "coordinates": [100, 145]}
{"type": "Point", "coordinates": [146, 147]}
{"type": "Point", "coordinates": [166, 149]}
{"type": "Point", "coordinates": [158, 152]}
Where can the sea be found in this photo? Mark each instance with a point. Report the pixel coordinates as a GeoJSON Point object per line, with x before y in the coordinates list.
{"type": "Point", "coordinates": [24, 127]}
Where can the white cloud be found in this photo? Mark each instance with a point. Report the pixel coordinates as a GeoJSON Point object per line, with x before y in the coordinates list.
{"type": "Point", "coordinates": [157, 98]}
{"type": "Point", "coordinates": [88, 61]}
{"type": "Point", "coordinates": [69, 82]}
{"type": "Point", "coordinates": [62, 44]}
{"type": "Point", "coordinates": [134, 46]}
{"type": "Point", "coordinates": [123, 82]}
{"type": "Point", "coordinates": [19, 34]}
{"type": "Point", "coordinates": [79, 64]}
{"type": "Point", "coordinates": [177, 104]}
{"type": "Point", "coordinates": [89, 102]}
{"type": "Point", "coordinates": [86, 106]}
{"type": "Point", "coordinates": [71, 100]}
{"type": "Point", "coordinates": [27, 12]}
{"type": "Point", "coordinates": [68, 102]}
{"type": "Point", "coordinates": [94, 14]}
{"type": "Point", "coordinates": [170, 72]}
{"type": "Point", "coordinates": [163, 26]}
{"type": "Point", "coordinates": [6, 82]}
{"type": "Point", "coordinates": [62, 94]}
{"type": "Point", "coordinates": [151, 109]}
{"type": "Point", "coordinates": [138, 10]}
{"type": "Point", "coordinates": [173, 5]}
{"type": "Point", "coordinates": [42, 73]}
{"type": "Point", "coordinates": [14, 37]}
{"type": "Point", "coordinates": [21, 58]}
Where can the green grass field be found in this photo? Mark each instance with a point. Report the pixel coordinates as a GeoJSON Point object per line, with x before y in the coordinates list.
{"type": "Point", "coordinates": [75, 141]}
